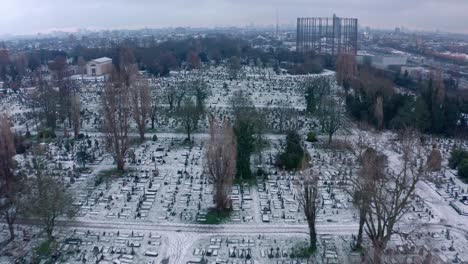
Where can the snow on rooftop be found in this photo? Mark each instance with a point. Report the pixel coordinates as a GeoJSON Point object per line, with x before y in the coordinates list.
{"type": "Point", "coordinates": [102, 60]}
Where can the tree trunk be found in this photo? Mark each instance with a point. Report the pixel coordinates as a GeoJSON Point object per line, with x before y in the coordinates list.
{"type": "Point", "coordinates": [50, 230]}
{"type": "Point", "coordinates": [221, 198]}
{"type": "Point", "coordinates": [120, 163]}
{"type": "Point", "coordinates": [330, 135]}
{"type": "Point", "coordinates": [152, 122]}
{"type": "Point", "coordinates": [142, 134]}
{"type": "Point", "coordinates": [76, 129]}
{"type": "Point", "coordinates": [362, 219]}
{"type": "Point", "coordinates": [378, 252]}
{"type": "Point", "coordinates": [10, 221]}
{"type": "Point", "coordinates": [313, 237]}
{"type": "Point", "coordinates": [69, 120]}
{"type": "Point", "coordinates": [188, 133]}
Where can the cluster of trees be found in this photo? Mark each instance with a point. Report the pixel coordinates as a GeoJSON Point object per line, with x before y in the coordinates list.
{"type": "Point", "coordinates": [325, 104]}
{"type": "Point", "coordinates": [384, 195]}
{"type": "Point", "coordinates": [160, 58]}
{"type": "Point", "coordinates": [42, 197]}
{"type": "Point", "coordinates": [248, 130]}
{"type": "Point", "coordinates": [431, 110]}
{"type": "Point", "coordinates": [459, 160]}
{"type": "Point", "coordinates": [56, 101]}
{"type": "Point", "coordinates": [127, 96]}
{"type": "Point", "coordinates": [15, 66]}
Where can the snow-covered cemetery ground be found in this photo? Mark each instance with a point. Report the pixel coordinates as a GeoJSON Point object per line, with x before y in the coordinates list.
{"type": "Point", "coordinates": [157, 211]}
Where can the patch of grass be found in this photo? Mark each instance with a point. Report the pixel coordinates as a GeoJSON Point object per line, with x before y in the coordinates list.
{"type": "Point", "coordinates": [215, 217]}
{"type": "Point", "coordinates": [302, 250]}
{"type": "Point", "coordinates": [312, 137]}
{"type": "Point", "coordinates": [251, 181]}
{"type": "Point", "coordinates": [44, 249]}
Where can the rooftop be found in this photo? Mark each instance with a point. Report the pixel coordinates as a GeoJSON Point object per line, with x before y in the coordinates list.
{"type": "Point", "coordinates": [102, 60]}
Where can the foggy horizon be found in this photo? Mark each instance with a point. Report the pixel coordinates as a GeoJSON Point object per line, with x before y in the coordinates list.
{"type": "Point", "coordinates": [24, 17]}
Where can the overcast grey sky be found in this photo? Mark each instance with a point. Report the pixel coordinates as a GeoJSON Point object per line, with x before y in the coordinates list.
{"type": "Point", "coordinates": [31, 16]}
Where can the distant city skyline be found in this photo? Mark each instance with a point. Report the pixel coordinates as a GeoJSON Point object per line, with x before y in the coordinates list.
{"type": "Point", "coordinates": [26, 17]}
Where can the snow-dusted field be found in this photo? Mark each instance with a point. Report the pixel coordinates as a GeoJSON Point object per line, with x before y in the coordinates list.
{"type": "Point", "coordinates": [159, 205]}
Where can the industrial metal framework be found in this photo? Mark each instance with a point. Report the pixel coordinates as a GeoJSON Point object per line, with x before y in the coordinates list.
{"type": "Point", "coordinates": [327, 36]}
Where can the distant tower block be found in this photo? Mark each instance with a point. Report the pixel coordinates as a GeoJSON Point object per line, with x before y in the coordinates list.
{"type": "Point", "coordinates": [327, 36]}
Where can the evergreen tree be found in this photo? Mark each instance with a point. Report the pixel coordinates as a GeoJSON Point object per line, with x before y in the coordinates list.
{"type": "Point", "coordinates": [422, 115]}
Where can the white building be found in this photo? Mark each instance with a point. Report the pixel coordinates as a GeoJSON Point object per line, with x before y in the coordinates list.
{"type": "Point", "coordinates": [99, 67]}
{"type": "Point", "coordinates": [416, 72]}
{"type": "Point", "coordinates": [382, 61]}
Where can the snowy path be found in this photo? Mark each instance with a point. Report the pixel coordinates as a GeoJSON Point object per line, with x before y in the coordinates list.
{"type": "Point", "coordinates": [182, 237]}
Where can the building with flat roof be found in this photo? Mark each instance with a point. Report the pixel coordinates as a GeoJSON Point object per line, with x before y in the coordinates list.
{"type": "Point", "coordinates": [99, 67]}
{"type": "Point", "coordinates": [382, 61]}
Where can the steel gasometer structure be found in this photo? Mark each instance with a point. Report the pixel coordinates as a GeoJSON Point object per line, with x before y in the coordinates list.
{"type": "Point", "coordinates": [327, 36]}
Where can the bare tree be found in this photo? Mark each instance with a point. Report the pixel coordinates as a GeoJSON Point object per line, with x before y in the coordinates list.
{"type": "Point", "coordinates": [171, 93]}
{"type": "Point", "coordinates": [154, 110]}
{"type": "Point", "coordinates": [81, 66]}
{"type": "Point", "coordinates": [309, 198]}
{"type": "Point", "coordinates": [189, 115]}
{"type": "Point", "coordinates": [75, 114]}
{"type": "Point", "coordinates": [284, 114]}
{"type": "Point", "coordinates": [48, 199]}
{"type": "Point", "coordinates": [116, 109]}
{"type": "Point", "coordinates": [372, 170]}
{"type": "Point", "coordinates": [141, 104]}
{"type": "Point", "coordinates": [8, 181]}
{"type": "Point", "coordinates": [60, 74]}
{"type": "Point", "coordinates": [127, 67]}
{"type": "Point", "coordinates": [200, 91]}
{"type": "Point", "coordinates": [180, 93]}
{"type": "Point", "coordinates": [193, 60]}
{"type": "Point", "coordinates": [234, 66]}
{"type": "Point", "coordinates": [45, 99]}
{"type": "Point", "coordinates": [331, 115]}
{"type": "Point", "coordinates": [393, 194]}
{"type": "Point", "coordinates": [379, 111]}
{"type": "Point", "coordinates": [346, 69]}
{"type": "Point", "coordinates": [221, 161]}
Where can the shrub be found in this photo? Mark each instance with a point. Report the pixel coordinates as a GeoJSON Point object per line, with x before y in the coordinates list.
{"type": "Point", "coordinates": [44, 249]}
{"type": "Point", "coordinates": [463, 169]}
{"type": "Point", "coordinates": [456, 156]}
{"type": "Point", "coordinates": [312, 137]}
{"type": "Point", "coordinates": [293, 154]}
{"type": "Point", "coordinates": [46, 133]}
{"type": "Point", "coordinates": [155, 138]}
{"type": "Point", "coordinates": [215, 217]}
{"type": "Point", "coordinates": [261, 172]}
{"type": "Point", "coordinates": [301, 250]}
